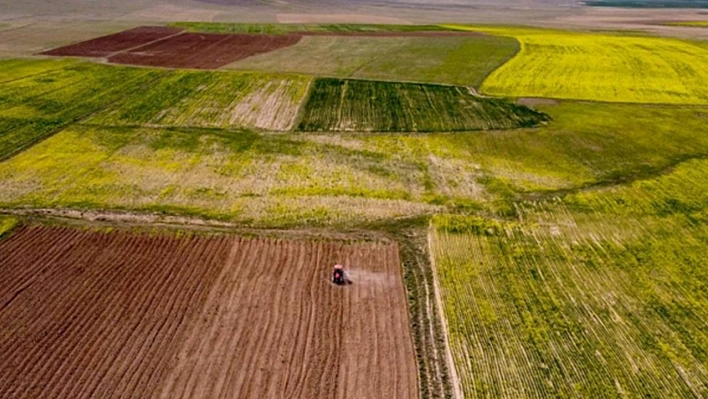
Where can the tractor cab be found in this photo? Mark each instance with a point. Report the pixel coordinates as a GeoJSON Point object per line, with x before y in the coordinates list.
{"type": "Point", "coordinates": [338, 275]}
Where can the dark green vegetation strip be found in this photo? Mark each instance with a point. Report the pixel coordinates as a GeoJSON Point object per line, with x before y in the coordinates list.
{"type": "Point", "coordinates": [355, 105]}
{"type": "Point", "coordinates": [425, 321]}
{"type": "Point", "coordinates": [34, 107]}
{"type": "Point", "coordinates": [648, 3]}
{"type": "Point", "coordinates": [279, 29]}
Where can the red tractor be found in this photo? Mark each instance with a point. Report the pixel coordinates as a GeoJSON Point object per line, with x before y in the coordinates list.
{"type": "Point", "coordinates": [338, 276]}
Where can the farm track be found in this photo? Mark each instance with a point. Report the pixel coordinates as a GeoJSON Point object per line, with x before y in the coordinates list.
{"type": "Point", "coordinates": [93, 315]}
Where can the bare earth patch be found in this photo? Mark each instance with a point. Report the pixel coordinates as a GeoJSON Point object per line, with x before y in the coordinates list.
{"type": "Point", "coordinates": [105, 315]}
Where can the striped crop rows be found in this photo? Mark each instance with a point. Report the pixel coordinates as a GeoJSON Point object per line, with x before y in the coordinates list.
{"type": "Point", "coordinates": [600, 294]}
{"type": "Point", "coordinates": [86, 314]}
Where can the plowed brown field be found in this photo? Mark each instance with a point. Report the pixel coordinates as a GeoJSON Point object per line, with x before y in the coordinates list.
{"type": "Point", "coordinates": [93, 315]}
{"type": "Point", "coordinates": [202, 50]}
{"type": "Point", "coordinates": [167, 47]}
{"type": "Point", "coordinates": [107, 45]}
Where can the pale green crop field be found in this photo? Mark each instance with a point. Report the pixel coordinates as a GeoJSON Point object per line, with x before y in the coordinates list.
{"type": "Point", "coordinates": [600, 294]}
{"type": "Point", "coordinates": [254, 178]}
{"type": "Point", "coordinates": [211, 99]}
{"type": "Point", "coordinates": [601, 67]}
{"type": "Point", "coordinates": [464, 61]}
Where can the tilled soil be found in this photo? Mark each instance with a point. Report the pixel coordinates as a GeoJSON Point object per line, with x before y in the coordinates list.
{"type": "Point", "coordinates": [167, 47]}
{"type": "Point", "coordinates": [202, 50]}
{"type": "Point", "coordinates": [85, 314]}
{"type": "Point", "coordinates": [122, 41]}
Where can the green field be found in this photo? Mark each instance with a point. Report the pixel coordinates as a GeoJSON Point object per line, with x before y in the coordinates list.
{"type": "Point", "coordinates": [349, 178]}
{"type": "Point", "coordinates": [15, 69]}
{"type": "Point", "coordinates": [34, 107]}
{"type": "Point", "coordinates": [356, 105]}
{"type": "Point", "coordinates": [325, 179]}
{"type": "Point", "coordinates": [601, 67]}
{"type": "Point", "coordinates": [567, 228]}
{"type": "Point", "coordinates": [255, 178]}
{"type": "Point", "coordinates": [209, 99]}
{"type": "Point", "coordinates": [7, 224]}
{"type": "Point", "coordinates": [598, 294]}
{"type": "Point", "coordinates": [463, 61]}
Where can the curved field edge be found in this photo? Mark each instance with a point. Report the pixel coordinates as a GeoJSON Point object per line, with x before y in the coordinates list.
{"type": "Point", "coordinates": [375, 106]}
{"type": "Point", "coordinates": [600, 67]}
{"type": "Point", "coordinates": [276, 180]}
{"type": "Point", "coordinates": [599, 293]}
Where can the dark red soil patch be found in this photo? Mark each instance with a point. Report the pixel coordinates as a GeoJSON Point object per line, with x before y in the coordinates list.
{"type": "Point", "coordinates": [202, 50]}
{"type": "Point", "coordinates": [167, 47]}
{"type": "Point", "coordinates": [85, 314]}
{"type": "Point", "coordinates": [107, 45]}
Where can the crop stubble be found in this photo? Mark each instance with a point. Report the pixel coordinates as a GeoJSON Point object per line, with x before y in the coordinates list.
{"type": "Point", "coordinates": [90, 314]}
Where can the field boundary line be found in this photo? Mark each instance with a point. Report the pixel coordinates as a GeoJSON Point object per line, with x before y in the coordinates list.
{"type": "Point", "coordinates": [457, 392]}
{"type": "Point", "coordinates": [136, 219]}
{"type": "Point", "coordinates": [615, 183]}
{"type": "Point", "coordinates": [301, 107]}
{"type": "Point", "coordinates": [140, 45]}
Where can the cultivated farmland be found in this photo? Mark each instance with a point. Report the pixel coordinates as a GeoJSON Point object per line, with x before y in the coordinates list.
{"type": "Point", "coordinates": [96, 315]}
{"type": "Point", "coordinates": [172, 48]}
{"type": "Point", "coordinates": [568, 237]}
{"type": "Point", "coordinates": [205, 99]}
{"type": "Point", "coordinates": [35, 106]}
{"type": "Point", "coordinates": [302, 179]}
{"type": "Point", "coordinates": [201, 50]}
{"type": "Point", "coordinates": [463, 61]}
{"type": "Point", "coordinates": [353, 105]}
{"type": "Point", "coordinates": [122, 41]}
{"type": "Point", "coordinates": [597, 294]}
{"type": "Point", "coordinates": [13, 69]}
{"type": "Point", "coordinates": [601, 67]}
{"type": "Point", "coordinates": [240, 176]}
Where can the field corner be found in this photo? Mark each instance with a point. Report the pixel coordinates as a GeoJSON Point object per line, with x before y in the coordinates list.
{"type": "Point", "coordinates": [7, 223]}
